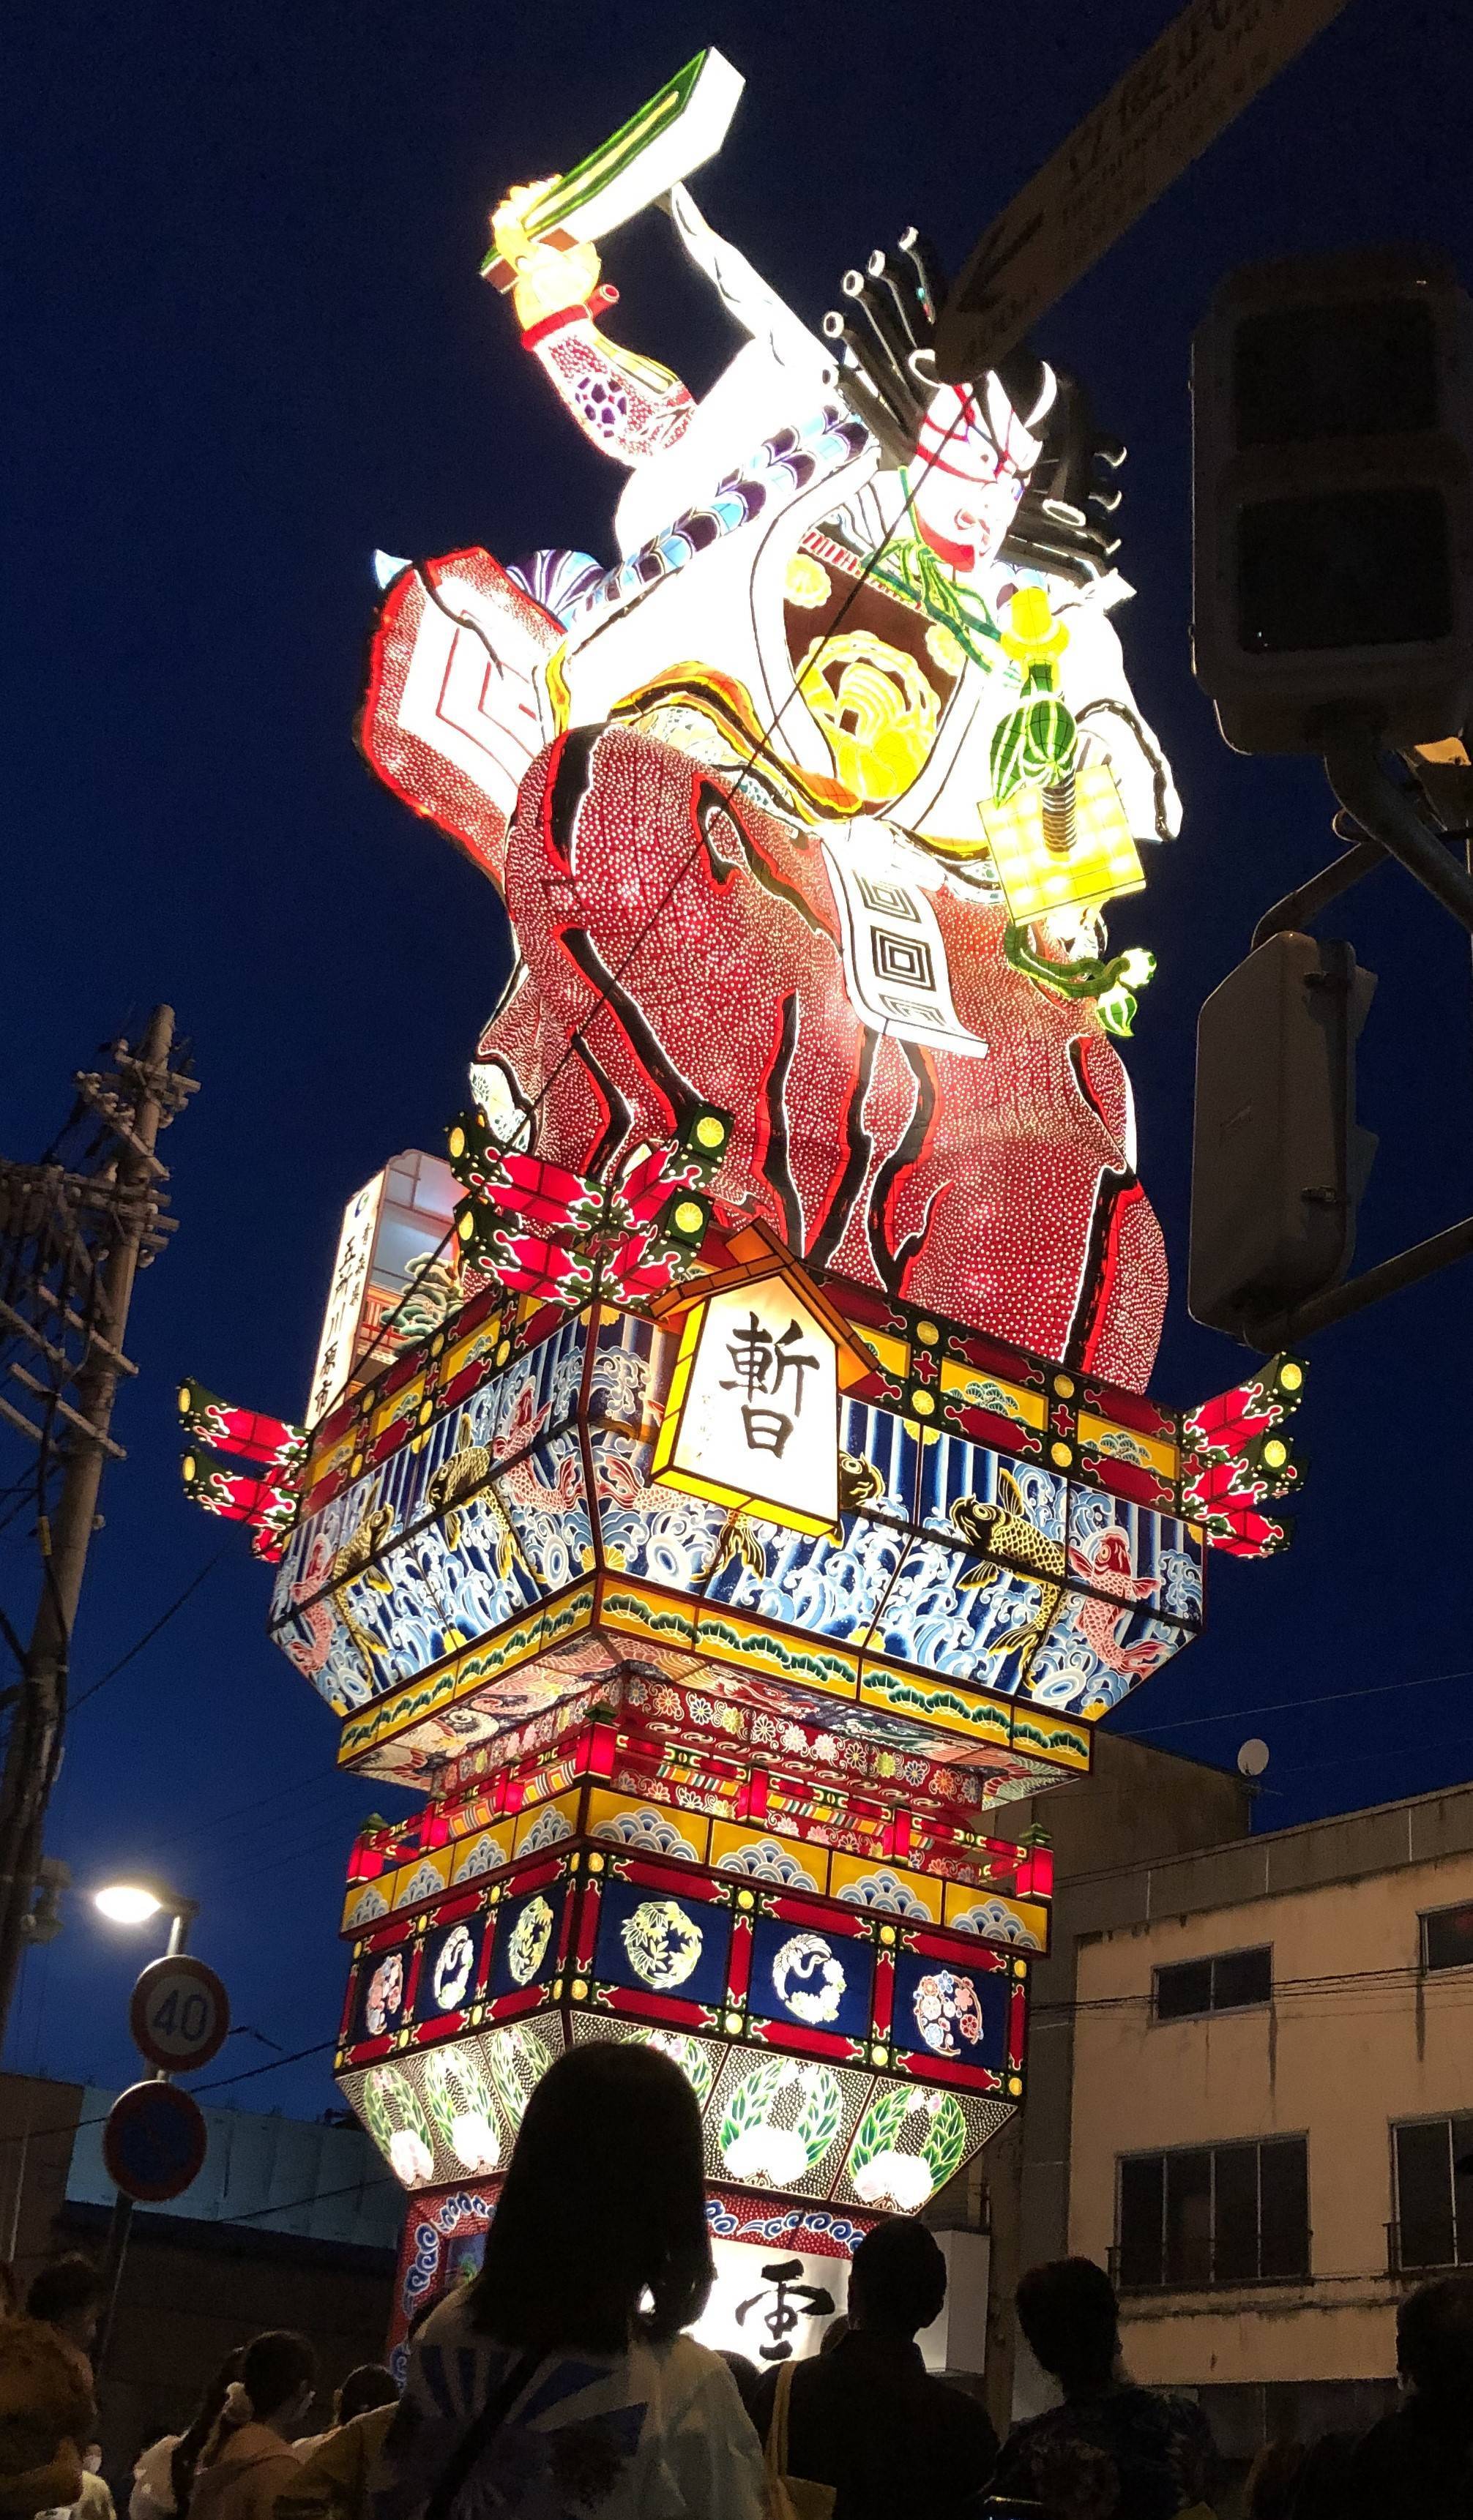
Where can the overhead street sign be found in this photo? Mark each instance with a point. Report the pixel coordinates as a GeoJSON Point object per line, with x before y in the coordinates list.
{"type": "Point", "coordinates": [153, 2142]}
{"type": "Point", "coordinates": [1186, 88]}
{"type": "Point", "coordinates": [179, 2014]}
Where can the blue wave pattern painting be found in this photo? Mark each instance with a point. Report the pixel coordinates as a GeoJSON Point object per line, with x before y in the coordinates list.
{"type": "Point", "coordinates": [948, 1557]}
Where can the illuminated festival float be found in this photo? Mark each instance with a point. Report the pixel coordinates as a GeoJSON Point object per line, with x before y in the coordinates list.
{"type": "Point", "coordinates": [727, 1481]}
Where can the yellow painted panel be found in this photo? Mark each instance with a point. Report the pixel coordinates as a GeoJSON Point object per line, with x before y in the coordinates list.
{"type": "Point", "coordinates": [947, 1704]}
{"type": "Point", "coordinates": [485, 1852]}
{"type": "Point", "coordinates": [424, 1878]}
{"type": "Point", "coordinates": [402, 1405]}
{"type": "Point", "coordinates": [879, 1887]}
{"type": "Point", "coordinates": [1127, 1444]}
{"type": "Point", "coordinates": [328, 1461]}
{"type": "Point", "coordinates": [1063, 1743]}
{"type": "Point", "coordinates": [646, 1827]}
{"type": "Point", "coordinates": [981, 1390]}
{"type": "Point", "coordinates": [540, 1820]}
{"type": "Point", "coordinates": [767, 1854]}
{"type": "Point", "coordinates": [366, 1903]}
{"type": "Point", "coordinates": [892, 1353]}
{"type": "Point", "coordinates": [480, 1342]}
{"type": "Point", "coordinates": [985, 1911]}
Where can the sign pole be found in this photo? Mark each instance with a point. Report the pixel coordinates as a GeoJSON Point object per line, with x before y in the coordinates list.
{"type": "Point", "coordinates": [123, 2209]}
{"type": "Point", "coordinates": [1186, 87]}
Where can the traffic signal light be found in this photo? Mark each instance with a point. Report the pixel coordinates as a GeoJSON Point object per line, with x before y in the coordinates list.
{"type": "Point", "coordinates": [1332, 413]}
{"type": "Point", "coordinates": [1278, 1159]}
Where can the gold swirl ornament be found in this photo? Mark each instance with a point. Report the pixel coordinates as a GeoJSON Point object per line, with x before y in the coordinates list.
{"type": "Point", "coordinates": [877, 710]}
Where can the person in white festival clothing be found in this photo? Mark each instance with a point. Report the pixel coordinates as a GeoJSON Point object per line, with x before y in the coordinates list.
{"type": "Point", "coordinates": [545, 2389]}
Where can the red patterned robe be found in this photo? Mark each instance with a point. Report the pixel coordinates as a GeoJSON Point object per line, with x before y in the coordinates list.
{"type": "Point", "coordinates": [682, 943]}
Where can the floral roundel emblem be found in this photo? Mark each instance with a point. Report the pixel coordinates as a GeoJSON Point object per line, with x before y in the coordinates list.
{"type": "Point", "coordinates": [385, 1999]}
{"type": "Point", "coordinates": [947, 2012]}
{"type": "Point", "coordinates": [454, 1970]}
{"type": "Point", "coordinates": [529, 1938]}
{"type": "Point", "coordinates": [808, 1979]}
{"type": "Point", "coordinates": [663, 1942]}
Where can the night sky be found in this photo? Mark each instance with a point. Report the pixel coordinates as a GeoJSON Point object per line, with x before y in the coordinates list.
{"type": "Point", "coordinates": [249, 346]}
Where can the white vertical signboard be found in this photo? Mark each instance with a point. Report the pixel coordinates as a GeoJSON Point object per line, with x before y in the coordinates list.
{"type": "Point", "coordinates": [344, 1303]}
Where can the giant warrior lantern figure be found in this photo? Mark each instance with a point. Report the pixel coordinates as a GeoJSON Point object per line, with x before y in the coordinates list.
{"type": "Point", "coordinates": [728, 1484]}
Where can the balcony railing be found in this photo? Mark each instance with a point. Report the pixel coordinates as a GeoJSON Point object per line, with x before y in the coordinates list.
{"type": "Point", "coordinates": [1429, 2244]}
{"type": "Point", "coordinates": [1202, 2269]}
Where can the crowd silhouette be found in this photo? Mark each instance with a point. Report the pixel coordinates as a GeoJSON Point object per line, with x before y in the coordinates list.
{"type": "Point", "coordinates": [561, 2382]}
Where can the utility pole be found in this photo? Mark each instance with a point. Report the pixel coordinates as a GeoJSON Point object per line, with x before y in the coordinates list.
{"type": "Point", "coordinates": [73, 1242]}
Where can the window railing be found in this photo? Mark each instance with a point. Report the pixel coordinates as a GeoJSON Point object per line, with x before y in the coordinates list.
{"type": "Point", "coordinates": [1427, 2245]}
{"type": "Point", "coordinates": [1208, 2271]}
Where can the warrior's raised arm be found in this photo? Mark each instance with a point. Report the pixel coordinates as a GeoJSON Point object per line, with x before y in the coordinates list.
{"type": "Point", "coordinates": [631, 407]}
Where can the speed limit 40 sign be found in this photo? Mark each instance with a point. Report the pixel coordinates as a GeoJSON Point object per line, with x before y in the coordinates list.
{"type": "Point", "coordinates": [180, 2014]}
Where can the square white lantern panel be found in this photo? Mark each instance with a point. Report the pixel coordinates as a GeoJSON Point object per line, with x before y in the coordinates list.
{"type": "Point", "coordinates": [753, 1415]}
{"type": "Point", "coordinates": [773, 2302]}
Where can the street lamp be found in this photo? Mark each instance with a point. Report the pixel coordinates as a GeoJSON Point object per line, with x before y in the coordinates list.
{"type": "Point", "coordinates": [135, 1896]}
{"type": "Point", "coordinates": [132, 1900]}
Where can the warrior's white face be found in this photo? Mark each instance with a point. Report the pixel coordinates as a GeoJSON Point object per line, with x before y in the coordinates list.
{"type": "Point", "coordinates": [972, 462]}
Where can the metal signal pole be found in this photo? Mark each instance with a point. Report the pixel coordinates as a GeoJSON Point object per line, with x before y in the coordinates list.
{"type": "Point", "coordinates": [77, 1239]}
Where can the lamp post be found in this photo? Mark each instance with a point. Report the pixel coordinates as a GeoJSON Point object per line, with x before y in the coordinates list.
{"type": "Point", "coordinates": [133, 1900]}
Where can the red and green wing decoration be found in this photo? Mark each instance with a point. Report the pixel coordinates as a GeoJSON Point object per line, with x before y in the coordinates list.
{"type": "Point", "coordinates": [1237, 1462]}
{"type": "Point", "coordinates": [262, 1484]}
{"type": "Point", "coordinates": [550, 1234]}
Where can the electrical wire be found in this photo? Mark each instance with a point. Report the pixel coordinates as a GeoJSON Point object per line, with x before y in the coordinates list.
{"type": "Point", "coordinates": [149, 1634]}
{"type": "Point", "coordinates": [322, 2196]}
{"type": "Point", "coordinates": [211, 1825]}
{"type": "Point", "coordinates": [217, 2083]}
{"type": "Point", "coordinates": [1288, 1705]}
{"type": "Point", "coordinates": [1360, 1758]}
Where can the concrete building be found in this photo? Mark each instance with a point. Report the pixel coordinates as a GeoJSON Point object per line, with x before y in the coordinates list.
{"type": "Point", "coordinates": [290, 2224]}
{"type": "Point", "coordinates": [1253, 2097]}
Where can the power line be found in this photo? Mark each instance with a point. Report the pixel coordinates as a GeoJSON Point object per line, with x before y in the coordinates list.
{"type": "Point", "coordinates": [223, 2082]}
{"type": "Point", "coordinates": [1399, 1980]}
{"type": "Point", "coordinates": [1359, 1758]}
{"type": "Point", "coordinates": [1291, 1705]}
{"type": "Point", "coordinates": [149, 1633]}
{"type": "Point", "coordinates": [212, 1822]}
{"type": "Point", "coordinates": [217, 2083]}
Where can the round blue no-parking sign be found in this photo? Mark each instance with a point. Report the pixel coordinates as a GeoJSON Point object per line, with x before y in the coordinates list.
{"type": "Point", "coordinates": [154, 2141]}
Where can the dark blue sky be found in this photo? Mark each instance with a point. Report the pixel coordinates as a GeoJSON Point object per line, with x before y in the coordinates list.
{"type": "Point", "coordinates": [248, 344]}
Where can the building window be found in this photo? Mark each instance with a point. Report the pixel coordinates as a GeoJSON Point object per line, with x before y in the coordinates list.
{"type": "Point", "coordinates": [1434, 2225]}
{"type": "Point", "coordinates": [1227, 2213]}
{"type": "Point", "coordinates": [1226, 1983]}
{"type": "Point", "coordinates": [1448, 1938]}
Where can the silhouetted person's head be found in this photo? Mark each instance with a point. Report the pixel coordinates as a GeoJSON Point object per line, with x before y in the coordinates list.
{"type": "Point", "coordinates": [277, 2384]}
{"type": "Point", "coordinates": [1435, 2343]}
{"type": "Point", "coordinates": [745, 2373]}
{"type": "Point", "coordinates": [1273, 2480]}
{"type": "Point", "coordinates": [68, 2296]}
{"type": "Point", "coordinates": [370, 2385]}
{"type": "Point", "coordinates": [1069, 2314]}
{"type": "Point", "coordinates": [603, 2203]}
{"type": "Point", "coordinates": [898, 2282]}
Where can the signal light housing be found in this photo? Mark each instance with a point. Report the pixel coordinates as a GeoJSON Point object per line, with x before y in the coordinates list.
{"type": "Point", "coordinates": [1278, 1159]}
{"type": "Point", "coordinates": [1332, 415]}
